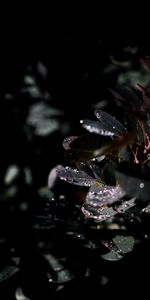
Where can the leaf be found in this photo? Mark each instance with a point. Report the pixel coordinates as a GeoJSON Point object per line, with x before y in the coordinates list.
{"type": "Point", "coordinates": [130, 96]}
{"type": "Point", "coordinates": [75, 176]}
{"type": "Point", "coordinates": [134, 186]}
{"type": "Point", "coordinates": [112, 256]}
{"type": "Point", "coordinates": [109, 122]}
{"type": "Point", "coordinates": [124, 244]}
{"type": "Point", "coordinates": [7, 272]}
{"type": "Point", "coordinates": [118, 246]}
{"type": "Point", "coordinates": [92, 167]}
{"type": "Point", "coordinates": [82, 149]}
{"type": "Point", "coordinates": [117, 144]}
{"type": "Point", "coordinates": [97, 214]}
{"type": "Point", "coordinates": [104, 195]}
{"type": "Point", "coordinates": [68, 141]}
{"type": "Point", "coordinates": [42, 119]}
{"type": "Point", "coordinates": [96, 127]}
{"type": "Point", "coordinates": [63, 274]}
{"type": "Point", "coordinates": [146, 62]}
{"type": "Point", "coordinates": [125, 206]}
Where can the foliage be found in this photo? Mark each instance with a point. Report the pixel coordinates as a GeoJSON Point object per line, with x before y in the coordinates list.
{"type": "Point", "coordinates": [86, 228]}
{"type": "Point", "coordinates": [112, 165]}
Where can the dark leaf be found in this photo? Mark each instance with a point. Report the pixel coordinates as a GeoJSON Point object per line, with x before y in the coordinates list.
{"type": "Point", "coordinates": [68, 141]}
{"type": "Point", "coordinates": [84, 147]}
{"type": "Point", "coordinates": [130, 96]}
{"type": "Point", "coordinates": [134, 182]}
{"type": "Point", "coordinates": [7, 272]}
{"type": "Point", "coordinates": [109, 122]}
{"type": "Point", "coordinates": [117, 144]}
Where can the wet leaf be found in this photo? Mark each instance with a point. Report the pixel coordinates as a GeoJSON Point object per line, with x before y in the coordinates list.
{"type": "Point", "coordinates": [118, 246]}
{"type": "Point", "coordinates": [109, 122]}
{"type": "Point", "coordinates": [125, 206]}
{"type": "Point", "coordinates": [68, 141]}
{"type": "Point", "coordinates": [96, 127]}
{"type": "Point", "coordinates": [104, 195]}
{"type": "Point", "coordinates": [75, 176]}
{"type": "Point", "coordinates": [124, 244]}
{"type": "Point", "coordinates": [112, 256]}
{"type": "Point", "coordinates": [97, 214]}
{"type": "Point", "coordinates": [92, 167]}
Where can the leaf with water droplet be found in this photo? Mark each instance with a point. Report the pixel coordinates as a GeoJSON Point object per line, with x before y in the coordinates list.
{"type": "Point", "coordinates": [109, 122]}
{"type": "Point", "coordinates": [124, 244]}
{"type": "Point", "coordinates": [97, 214]}
{"type": "Point", "coordinates": [96, 127]}
{"type": "Point", "coordinates": [92, 168]}
{"type": "Point", "coordinates": [104, 195]}
{"type": "Point", "coordinates": [112, 256]}
{"type": "Point", "coordinates": [68, 141]}
{"type": "Point", "coordinates": [75, 176]}
{"type": "Point", "coordinates": [125, 206]}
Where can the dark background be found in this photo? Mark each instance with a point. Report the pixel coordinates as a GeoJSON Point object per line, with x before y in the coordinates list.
{"type": "Point", "coordinates": [75, 57]}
